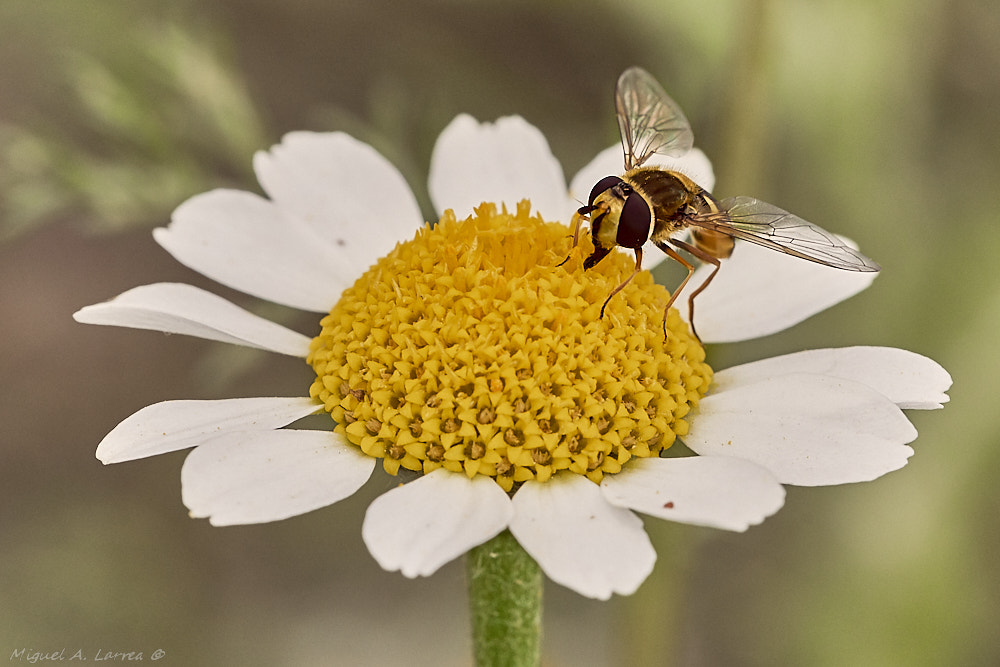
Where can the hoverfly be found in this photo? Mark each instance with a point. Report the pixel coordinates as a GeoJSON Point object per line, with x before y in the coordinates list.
{"type": "Point", "coordinates": [652, 203]}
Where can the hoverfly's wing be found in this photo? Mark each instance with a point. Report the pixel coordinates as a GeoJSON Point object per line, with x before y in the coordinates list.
{"type": "Point", "coordinates": [766, 225]}
{"type": "Point", "coordinates": [649, 120]}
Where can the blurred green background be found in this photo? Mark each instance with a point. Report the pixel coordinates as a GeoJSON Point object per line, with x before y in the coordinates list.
{"type": "Point", "coordinates": [877, 120]}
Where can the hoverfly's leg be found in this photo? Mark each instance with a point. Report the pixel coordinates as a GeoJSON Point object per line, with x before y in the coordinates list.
{"type": "Point", "coordinates": [673, 254]}
{"type": "Point", "coordinates": [708, 259]}
{"type": "Point", "coordinates": [578, 217]}
{"type": "Point", "coordinates": [638, 268]}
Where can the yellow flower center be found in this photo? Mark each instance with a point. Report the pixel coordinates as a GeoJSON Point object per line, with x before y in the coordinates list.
{"type": "Point", "coordinates": [468, 348]}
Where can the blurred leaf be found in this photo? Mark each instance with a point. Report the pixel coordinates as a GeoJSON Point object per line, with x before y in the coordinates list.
{"type": "Point", "coordinates": [164, 119]}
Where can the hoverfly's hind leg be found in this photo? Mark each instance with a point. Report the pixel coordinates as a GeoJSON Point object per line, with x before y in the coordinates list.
{"type": "Point", "coordinates": [638, 268]}
{"type": "Point", "coordinates": [578, 217]}
{"type": "Point", "coordinates": [703, 256]}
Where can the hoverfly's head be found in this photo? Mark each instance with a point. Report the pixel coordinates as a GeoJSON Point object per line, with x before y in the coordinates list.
{"type": "Point", "coordinates": [622, 215]}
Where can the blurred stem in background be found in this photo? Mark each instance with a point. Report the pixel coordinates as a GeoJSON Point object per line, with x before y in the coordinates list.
{"type": "Point", "coordinates": [654, 618]}
{"type": "Point", "coordinates": [653, 625]}
{"type": "Point", "coordinates": [745, 118]}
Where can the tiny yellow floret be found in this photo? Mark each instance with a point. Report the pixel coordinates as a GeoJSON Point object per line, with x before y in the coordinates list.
{"type": "Point", "coordinates": [469, 349]}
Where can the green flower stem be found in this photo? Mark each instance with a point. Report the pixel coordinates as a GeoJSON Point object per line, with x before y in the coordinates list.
{"type": "Point", "coordinates": [505, 600]}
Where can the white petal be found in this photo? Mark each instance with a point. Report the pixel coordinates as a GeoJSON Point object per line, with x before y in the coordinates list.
{"type": "Point", "coordinates": [809, 430]}
{"type": "Point", "coordinates": [352, 197]}
{"type": "Point", "coordinates": [610, 162]}
{"type": "Point", "coordinates": [505, 161]}
{"type": "Point", "coordinates": [909, 380]}
{"type": "Point", "coordinates": [418, 527]}
{"type": "Point", "coordinates": [758, 292]}
{"type": "Point", "coordinates": [256, 477]}
{"type": "Point", "coordinates": [579, 539]}
{"type": "Point", "coordinates": [717, 491]}
{"type": "Point", "coordinates": [186, 309]}
{"type": "Point", "coordinates": [172, 425]}
{"type": "Point", "coordinates": [246, 242]}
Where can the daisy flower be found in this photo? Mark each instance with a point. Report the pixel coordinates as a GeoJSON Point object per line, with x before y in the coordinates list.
{"type": "Point", "coordinates": [463, 353]}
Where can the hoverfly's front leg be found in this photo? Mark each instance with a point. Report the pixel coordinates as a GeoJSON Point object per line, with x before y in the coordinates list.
{"type": "Point", "coordinates": [638, 268]}
{"type": "Point", "coordinates": [581, 213]}
{"type": "Point", "coordinates": [701, 255]}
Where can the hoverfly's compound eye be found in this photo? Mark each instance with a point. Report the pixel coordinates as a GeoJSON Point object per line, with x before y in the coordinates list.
{"type": "Point", "coordinates": [635, 220]}
{"type": "Point", "coordinates": [603, 185]}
